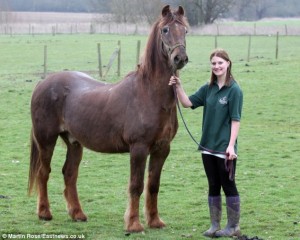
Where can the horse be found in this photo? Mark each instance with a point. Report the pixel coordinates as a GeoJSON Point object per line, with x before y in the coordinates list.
{"type": "Point", "coordinates": [136, 115]}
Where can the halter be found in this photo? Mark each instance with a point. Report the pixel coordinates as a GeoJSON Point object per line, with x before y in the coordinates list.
{"type": "Point", "coordinates": [170, 48]}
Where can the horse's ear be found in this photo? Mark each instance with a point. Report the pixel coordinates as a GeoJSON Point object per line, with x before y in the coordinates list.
{"type": "Point", "coordinates": [165, 11]}
{"type": "Point", "coordinates": [180, 10]}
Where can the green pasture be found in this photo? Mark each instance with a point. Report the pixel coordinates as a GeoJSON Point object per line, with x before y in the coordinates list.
{"type": "Point", "coordinates": [268, 173]}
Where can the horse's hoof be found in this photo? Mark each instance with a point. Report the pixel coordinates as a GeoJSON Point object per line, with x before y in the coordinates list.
{"type": "Point", "coordinates": [157, 223]}
{"type": "Point", "coordinates": [78, 216]}
{"type": "Point", "coordinates": [44, 214]}
{"type": "Point", "coordinates": [81, 219]}
{"type": "Point", "coordinates": [45, 217]}
{"type": "Point", "coordinates": [135, 227]}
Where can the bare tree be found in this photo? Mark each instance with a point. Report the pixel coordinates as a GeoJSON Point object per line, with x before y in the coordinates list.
{"type": "Point", "coordinates": [242, 8]}
{"type": "Point", "coordinates": [261, 7]}
{"type": "Point", "coordinates": [148, 10]}
{"type": "Point", "coordinates": [206, 11]}
{"type": "Point", "coordinates": [255, 9]}
{"type": "Point", "coordinates": [121, 10]}
{"type": "Point", "coordinates": [214, 9]}
{"type": "Point", "coordinates": [135, 10]}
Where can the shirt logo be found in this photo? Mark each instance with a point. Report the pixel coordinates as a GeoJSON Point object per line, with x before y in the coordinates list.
{"type": "Point", "coordinates": [223, 100]}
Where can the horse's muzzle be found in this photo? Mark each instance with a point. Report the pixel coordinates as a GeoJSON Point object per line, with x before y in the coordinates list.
{"type": "Point", "coordinates": [180, 58]}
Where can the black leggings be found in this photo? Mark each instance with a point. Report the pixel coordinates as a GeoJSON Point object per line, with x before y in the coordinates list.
{"type": "Point", "coordinates": [218, 177]}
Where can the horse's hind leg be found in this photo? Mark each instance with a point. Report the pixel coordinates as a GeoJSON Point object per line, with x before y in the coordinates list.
{"type": "Point", "coordinates": [157, 159]}
{"type": "Point", "coordinates": [45, 156]}
{"type": "Point", "coordinates": [70, 172]}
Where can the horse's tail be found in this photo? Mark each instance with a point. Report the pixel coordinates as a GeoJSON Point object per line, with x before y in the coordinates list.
{"type": "Point", "coordinates": [34, 163]}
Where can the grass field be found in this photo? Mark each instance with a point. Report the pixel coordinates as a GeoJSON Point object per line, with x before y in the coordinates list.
{"type": "Point", "coordinates": [268, 172]}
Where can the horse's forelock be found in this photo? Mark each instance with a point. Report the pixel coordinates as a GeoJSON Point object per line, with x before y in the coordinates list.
{"type": "Point", "coordinates": [173, 17]}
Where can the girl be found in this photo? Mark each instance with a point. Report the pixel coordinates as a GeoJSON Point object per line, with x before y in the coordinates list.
{"type": "Point", "coordinates": [222, 100]}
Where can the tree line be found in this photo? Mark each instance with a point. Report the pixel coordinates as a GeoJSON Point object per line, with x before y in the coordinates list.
{"type": "Point", "coordinates": [198, 11]}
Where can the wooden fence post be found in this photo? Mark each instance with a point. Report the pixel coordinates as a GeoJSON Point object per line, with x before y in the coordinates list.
{"type": "Point", "coordinates": [286, 29]}
{"type": "Point", "coordinates": [53, 30]}
{"type": "Point", "coordinates": [277, 40]}
{"type": "Point", "coordinates": [45, 61]}
{"type": "Point", "coordinates": [216, 42]}
{"type": "Point", "coordinates": [218, 30]}
{"type": "Point", "coordinates": [249, 49]}
{"type": "Point", "coordinates": [138, 49]}
{"type": "Point", "coordinates": [119, 59]}
{"type": "Point", "coordinates": [99, 60]}
{"type": "Point", "coordinates": [92, 28]}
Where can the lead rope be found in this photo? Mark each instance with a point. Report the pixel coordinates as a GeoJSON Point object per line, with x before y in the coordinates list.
{"type": "Point", "coordinates": [182, 118]}
{"type": "Point", "coordinates": [228, 164]}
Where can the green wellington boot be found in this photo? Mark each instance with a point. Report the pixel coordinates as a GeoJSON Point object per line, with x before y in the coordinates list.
{"type": "Point", "coordinates": [233, 218]}
{"type": "Point", "coordinates": [215, 211]}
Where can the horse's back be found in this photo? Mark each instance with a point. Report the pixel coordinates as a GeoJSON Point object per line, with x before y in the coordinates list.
{"type": "Point", "coordinates": [57, 86]}
{"type": "Point", "coordinates": [49, 97]}
{"type": "Point", "coordinates": [68, 79]}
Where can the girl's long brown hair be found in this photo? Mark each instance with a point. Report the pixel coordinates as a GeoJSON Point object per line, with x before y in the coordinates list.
{"type": "Point", "coordinates": [221, 53]}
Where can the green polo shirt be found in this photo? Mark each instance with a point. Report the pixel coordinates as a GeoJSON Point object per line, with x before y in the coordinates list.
{"type": "Point", "coordinates": [221, 106]}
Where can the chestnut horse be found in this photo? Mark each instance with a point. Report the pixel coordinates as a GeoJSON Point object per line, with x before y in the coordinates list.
{"type": "Point", "coordinates": [136, 115]}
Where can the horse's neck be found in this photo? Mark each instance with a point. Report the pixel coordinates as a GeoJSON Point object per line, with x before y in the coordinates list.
{"type": "Point", "coordinates": [156, 87]}
{"type": "Point", "coordinates": [155, 73]}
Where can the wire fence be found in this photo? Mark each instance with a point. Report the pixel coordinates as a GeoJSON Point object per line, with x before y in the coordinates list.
{"type": "Point", "coordinates": [224, 29]}
{"type": "Point", "coordinates": [115, 57]}
{"type": "Point", "coordinates": [111, 56]}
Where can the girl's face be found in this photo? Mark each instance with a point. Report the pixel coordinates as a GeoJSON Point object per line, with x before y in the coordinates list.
{"type": "Point", "coordinates": [219, 66]}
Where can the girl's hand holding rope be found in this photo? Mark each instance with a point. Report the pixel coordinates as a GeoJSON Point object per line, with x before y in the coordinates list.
{"type": "Point", "coordinates": [174, 81]}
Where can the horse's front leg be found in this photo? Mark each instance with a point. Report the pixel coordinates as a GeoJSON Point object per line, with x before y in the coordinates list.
{"type": "Point", "coordinates": [157, 159]}
{"type": "Point", "coordinates": [138, 157]}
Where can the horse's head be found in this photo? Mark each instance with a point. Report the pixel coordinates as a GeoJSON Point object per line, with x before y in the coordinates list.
{"type": "Point", "coordinates": [173, 29]}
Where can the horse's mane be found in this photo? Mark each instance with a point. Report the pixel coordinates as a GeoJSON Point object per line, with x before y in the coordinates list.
{"type": "Point", "coordinates": [153, 54]}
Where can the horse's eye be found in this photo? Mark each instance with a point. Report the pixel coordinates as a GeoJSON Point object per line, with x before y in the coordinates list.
{"type": "Point", "coordinates": [186, 31]}
{"type": "Point", "coordinates": [165, 30]}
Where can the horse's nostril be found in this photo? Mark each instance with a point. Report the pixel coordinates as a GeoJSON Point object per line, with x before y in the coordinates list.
{"type": "Point", "coordinates": [180, 60]}
{"type": "Point", "coordinates": [186, 60]}
{"type": "Point", "coordinates": [177, 59]}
